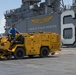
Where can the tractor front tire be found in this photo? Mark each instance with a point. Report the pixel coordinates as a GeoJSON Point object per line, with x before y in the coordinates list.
{"type": "Point", "coordinates": [19, 53]}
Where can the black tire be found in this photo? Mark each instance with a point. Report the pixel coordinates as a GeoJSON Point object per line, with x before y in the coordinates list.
{"type": "Point", "coordinates": [44, 52]}
{"type": "Point", "coordinates": [19, 53]}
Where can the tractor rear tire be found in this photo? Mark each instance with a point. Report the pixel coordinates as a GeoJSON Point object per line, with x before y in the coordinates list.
{"type": "Point", "coordinates": [44, 52]}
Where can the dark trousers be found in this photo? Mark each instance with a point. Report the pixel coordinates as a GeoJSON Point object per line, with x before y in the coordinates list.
{"type": "Point", "coordinates": [11, 42]}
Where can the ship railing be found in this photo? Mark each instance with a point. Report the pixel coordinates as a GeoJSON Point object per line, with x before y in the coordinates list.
{"type": "Point", "coordinates": [9, 11]}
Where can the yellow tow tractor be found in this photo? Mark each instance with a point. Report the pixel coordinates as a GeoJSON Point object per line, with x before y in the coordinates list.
{"type": "Point", "coordinates": [30, 44]}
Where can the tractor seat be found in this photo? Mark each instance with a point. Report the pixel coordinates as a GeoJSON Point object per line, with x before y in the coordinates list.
{"type": "Point", "coordinates": [18, 42]}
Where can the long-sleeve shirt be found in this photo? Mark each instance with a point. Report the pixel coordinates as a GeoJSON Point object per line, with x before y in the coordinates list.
{"type": "Point", "coordinates": [13, 31]}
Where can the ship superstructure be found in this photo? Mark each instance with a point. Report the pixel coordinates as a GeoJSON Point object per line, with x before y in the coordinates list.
{"type": "Point", "coordinates": [29, 9]}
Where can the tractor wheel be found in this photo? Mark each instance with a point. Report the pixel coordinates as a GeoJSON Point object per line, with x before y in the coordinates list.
{"type": "Point", "coordinates": [19, 53]}
{"type": "Point", "coordinates": [44, 52]}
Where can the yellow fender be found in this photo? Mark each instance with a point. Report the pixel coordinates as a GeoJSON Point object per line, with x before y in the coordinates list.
{"type": "Point", "coordinates": [16, 46]}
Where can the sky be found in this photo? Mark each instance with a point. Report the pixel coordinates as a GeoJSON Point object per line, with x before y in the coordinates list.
{"type": "Point", "coordinates": [13, 4]}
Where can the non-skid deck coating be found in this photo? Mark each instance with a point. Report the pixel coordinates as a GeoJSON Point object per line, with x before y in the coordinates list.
{"type": "Point", "coordinates": [63, 64]}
